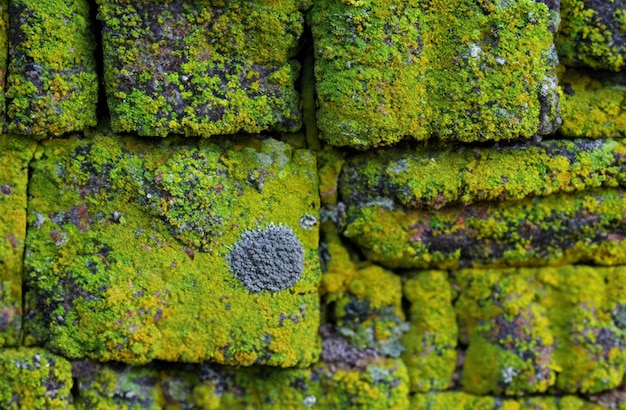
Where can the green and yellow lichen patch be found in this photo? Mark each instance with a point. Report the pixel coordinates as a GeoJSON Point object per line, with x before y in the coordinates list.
{"type": "Point", "coordinates": [52, 85]}
{"type": "Point", "coordinates": [435, 177]}
{"type": "Point", "coordinates": [561, 228]}
{"type": "Point", "coordinates": [200, 67]}
{"type": "Point", "coordinates": [4, 55]}
{"type": "Point", "coordinates": [431, 341]}
{"type": "Point", "coordinates": [464, 401]}
{"type": "Point", "coordinates": [592, 34]}
{"type": "Point", "coordinates": [129, 251]}
{"type": "Point", "coordinates": [460, 70]}
{"type": "Point", "coordinates": [34, 379]}
{"type": "Point", "coordinates": [592, 107]}
{"type": "Point", "coordinates": [531, 329]}
{"type": "Point", "coordinates": [15, 154]}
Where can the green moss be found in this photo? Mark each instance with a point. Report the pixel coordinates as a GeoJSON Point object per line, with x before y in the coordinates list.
{"type": "Point", "coordinates": [15, 154]}
{"type": "Point", "coordinates": [592, 34]}
{"type": "Point", "coordinates": [52, 83]}
{"type": "Point", "coordinates": [129, 244]}
{"type": "Point", "coordinates": [531, 329]}
{"type": "Point", "coordinates": [436, 68]}
{"type": "Point", "coordinates": [435, 177]}
{"type": "Point", "coordinates": [557, 229]}
{"type": "Point", "coordinates": [4, 55]}
{"type": "Point", "coordinates": [202, 67]}
{"type": "Point", "coordinates": [34, 379]}
{"type": "Point", "coordinates": [464, 401]}
{"type": "Point", "coordinates": [591, 107]}
{"type": "Point", "coordinates": [431, 341]}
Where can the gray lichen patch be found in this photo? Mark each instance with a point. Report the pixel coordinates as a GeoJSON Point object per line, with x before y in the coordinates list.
{"type": "Point", "coordinates": [268, 259]}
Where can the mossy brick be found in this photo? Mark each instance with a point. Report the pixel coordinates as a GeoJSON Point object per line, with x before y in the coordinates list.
{"type": "Point", "coordinates": [34, 378]}
{"type": "Point", "coordinates": [532, 329]}
{"type": "Point", "coordinates": [562, 228]}
{"type": "Point", "coordinates": [464, 401]}
{"type": "Point", "coordinates": [15, 154]}
{"type": "Point", "coordinates": [459, 70]}
{"type": "Point", "coordinates": [201, 67]}
{"type": "Point", "coordinates": [365, 300]}
{"type": "Point", "coordinates": [52, 86]}
{"type": "Point", "coordinates": [431, 342]}
{"type": "Point", "coordinates": [129, 250]}
{"type": "Point", "coordinates": [592, 105]}
{"type": "Point", "coordinates": [592, 34]}
{"type": "Point", "coordinates": [433, 177]}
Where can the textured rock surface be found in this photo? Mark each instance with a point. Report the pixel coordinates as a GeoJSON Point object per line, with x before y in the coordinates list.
{"type": "Point", "coordinates": [130, 244]}
{"type": "Point", "coordinates": [435, 177]}
{"type": "Point", "coordinates": [52, 83]}
{"type": "Point", "coordinates": [462, 70]}
{"type": "Point", "coordinates": [593, 105]}
{"type": "Point", "coordinates": [15, 152]}
{"type": "Point", "coordinates": [593, 34]}
{"type": "Point", "coordinates": [34, 379]}
{"type": "Point", "coordinates": [201, 67]}
{"type": "Point", "coordinates": [557, 229]}
{"type": "Point", "coordinates": [464, 401]}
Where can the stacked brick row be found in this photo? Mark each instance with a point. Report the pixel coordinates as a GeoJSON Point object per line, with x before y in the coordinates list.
{"type": "Point", "coordinates": [417, 207]}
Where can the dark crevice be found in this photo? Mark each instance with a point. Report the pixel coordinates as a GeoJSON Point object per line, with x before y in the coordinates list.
{"type": "Point", "coordinates": [102, 107]}
{"type": "Point", "coordinates": [306, 87]}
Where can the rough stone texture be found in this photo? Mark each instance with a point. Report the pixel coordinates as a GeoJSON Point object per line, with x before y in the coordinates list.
{"type": "Point", "coordinates": [557, 229]}
{"type": "Point", "coordinates": [129, 245]}
{"type": "Point", "coordinates": [592, 105]}
{"type": "Point", "coordinates": [379, 384]}
{"type": "Point", "coordinates": [431, 341]}
{"type": "Point", "coordinates": [435, 177]}
{"type": "Point", "coordinates": [34, 379]}
{"type": "Point", "coordinates": [531, 329]}
{"type": "Point", "coordinates": [4, 57]}
{"type": "Point", "coordinates": [15, 154]}
{"type": "Point", "coordinates": [593, 34]}
{"type": "Point", "coordinates": [201, 67]}
{"type": "Point", "coordinates": [464, 401]}
{"type": "Point", "coordinates": [52, 83]}
{"type": "Point", "coordinates": [461, 70]}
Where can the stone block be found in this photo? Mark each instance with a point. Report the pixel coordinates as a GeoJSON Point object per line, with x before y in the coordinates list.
{"type": "Point", "coordinates": [459, 70]}
{"type": "Point", "coordinates": [52, 84]}
{"type": "Point", "coordinates": [15, 154]}
{"type": "Point", "coordinates": [34, 379]}
{"type": "Point", "coordinates": [202, 67]}
{"type": "Point", "coordinates": [140, 251]}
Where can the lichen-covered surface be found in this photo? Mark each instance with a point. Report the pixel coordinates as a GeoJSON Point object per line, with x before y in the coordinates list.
{"type": "Point", "coordinates": [530, 329]}
{"type": "Point", "coordinates": [557, 229]}
{"type": "Point", "coordinates": [461, 70]}
{"type": "Point", "coordinates": [52, 86]}
{"type": "Point", "coordinates": [593, 34]}
{"type": "Point", "coordinates": [431, 342]}
{"type": "Point", "coordinates": [592, 106]}
{"type": "Point", "coordinates": [200, 67]}
{"type": "Point", "coordinates": [15, 153]}
{"type": "Point", "coordinates": [34, 379]}
{"type": "Point", "coordinates": [4, 56]}
{"type": "Point", "coordinates": [464, 401]}
{"type": "Point", "coordinates": [435, 177]}
{"type": "Point", "coordinates": [129, 251]}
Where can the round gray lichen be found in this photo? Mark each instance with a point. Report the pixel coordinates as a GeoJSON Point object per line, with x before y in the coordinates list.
{"type": "Point", "coordinates": [268, 259]}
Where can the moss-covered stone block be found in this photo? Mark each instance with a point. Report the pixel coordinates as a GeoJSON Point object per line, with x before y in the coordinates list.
{"type": "Point", "coordinates": [558, 229]}
{"type": "Point", "coordinates": [200, 67]}
{"type": "Point", "coordinates": [530, 329]}
{"type": "Point", "coordinates": [465, 401]}
{"type": "Point", "coordinates": [34, 379]}
{"type": "Point", "coordinates": [52, 82]}
{"type": "Point", "coordinates": [15, 154]}
{"type": "Point", "coordinates": [435, 176]}
{"type": "Point", "coordinates": [136, 251]}
{"type": "Point", "coordinates": [430, 343]}
{"type": "Point", "coordinates": [593, 34]}
{"type": "Point", "coordinates": [592, 106]}
{"type": "Point", "coordinates": [460, 70]}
